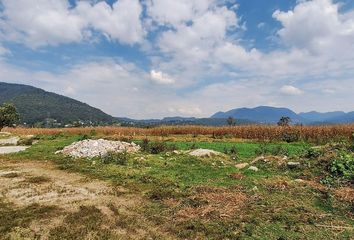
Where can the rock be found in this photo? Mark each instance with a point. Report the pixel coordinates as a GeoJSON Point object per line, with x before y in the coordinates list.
{"type": "Point", "coordinates": [260, 158]}
{"type": "Point", "coordinates": [241, 165]}
{"type": "Point", "coordinates": [253, 168]}
{"type": "Point", "coordinates": [96, 148]}
{"type": "Point", "coordinates": [12, 149]}
{"type": "Point", "coordinates": [299, 180]}
{"type": "Point", "coordinates": [204, 153]}
{"type": "Point", "coordinates": [9, 141]}
{"type": "Point", "coordinates": [293, 164]}
{"type": "Point", "coordinates": [255, 188]}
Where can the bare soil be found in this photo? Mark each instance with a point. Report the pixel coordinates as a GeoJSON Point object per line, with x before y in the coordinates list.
{"type": "Point", "coordinates": [29, 183]}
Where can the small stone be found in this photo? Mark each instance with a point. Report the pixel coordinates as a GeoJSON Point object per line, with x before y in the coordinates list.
{"type": "Point", "coordinates": [293, 164]}
{"type": "Point", "coordinates": [260, 158]}
{"type": "Point", "coordinates": [241, 165]}
{"type": "Point", "coordinates": [255, 188]}
{"type": "Point", "coordinates": [253, 168]}
{"type": "Point", "coordinates": [299, 180]}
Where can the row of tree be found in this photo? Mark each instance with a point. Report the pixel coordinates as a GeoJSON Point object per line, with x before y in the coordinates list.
{"type": "Point", "coordinates": [283, 121]}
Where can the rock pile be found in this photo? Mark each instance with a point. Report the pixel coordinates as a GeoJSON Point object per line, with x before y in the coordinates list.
{"type": "Point", "coordinates": [96, 148]}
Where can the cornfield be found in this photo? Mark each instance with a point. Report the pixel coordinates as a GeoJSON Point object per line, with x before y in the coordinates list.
{"type": "Point", "coordinates": [257, 132]}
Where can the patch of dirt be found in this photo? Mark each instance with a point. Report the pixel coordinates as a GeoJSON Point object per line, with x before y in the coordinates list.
{"type": "Point", "coordinates": [67, 190]}
{"type": "Point", "coordinates": [42, 184]}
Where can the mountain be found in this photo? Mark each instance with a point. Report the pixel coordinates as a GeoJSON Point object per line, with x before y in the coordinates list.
{"type": "Point", "coordinates": [262, 114]}
{"type": "Point", "coordinates": [322, 117]}
{"type": "Point", "coordinates": [346, 118]}
{"type": "Point", "coordinates": [36, 105]}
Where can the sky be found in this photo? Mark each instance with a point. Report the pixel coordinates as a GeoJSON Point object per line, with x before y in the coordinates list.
{"type": "Point", "coordinates": [158, 58]}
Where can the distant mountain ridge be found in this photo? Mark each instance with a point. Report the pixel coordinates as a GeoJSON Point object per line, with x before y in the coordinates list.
{"type": "Point", "coordinates": [271, 115]}
{"type": "Point", "coordinates": [36, 105]}
{"type": "Point", "coordinates": [262, 114]}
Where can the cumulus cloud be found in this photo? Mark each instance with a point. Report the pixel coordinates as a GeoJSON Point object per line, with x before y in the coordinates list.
{"type": "Point", "coordinates": [317, 26]}
{"type": "Point", "coordinates": [52, 22]}
{"type": "Point", "coordinates": [290, 90]}
{"type": "Point", "coordinates": [190, 50]}
{"type": "Point", "coordinates": [161, 78]}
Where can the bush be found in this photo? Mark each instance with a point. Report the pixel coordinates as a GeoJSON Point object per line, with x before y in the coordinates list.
{"type": "Point", "coordinates": [343, 166]}
{"type": "Point", "coordinates": [26, 141]}
{"type": "Point", "coordinates": [158, 147]}
{"type": "Point", "coordinates": [116, 158]}
{"type": "Point", "coordinates": [312, 153]}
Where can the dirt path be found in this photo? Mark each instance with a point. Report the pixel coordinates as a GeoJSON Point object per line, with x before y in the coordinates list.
{"type": "Point", "coordinates": [26, 183]}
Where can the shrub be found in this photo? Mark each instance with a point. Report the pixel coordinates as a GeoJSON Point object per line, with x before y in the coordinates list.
{"type": "Point", "coordinates": [312, 153]}
{"type": "Point", "coordinates": [116, 158]}
{"type": "Point", "coordinates": [343, 166]}
{"type": "Point", "coordinates": [158, 147]}
{"type": "Point", "coordinates": [26, 141]}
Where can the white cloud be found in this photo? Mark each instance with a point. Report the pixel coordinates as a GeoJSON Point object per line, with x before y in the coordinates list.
{"type": "Point", "coordinates": [52, 22]}
{"type": "Point", "coordinates": [290, 90]}
{"type": "Point", "coordinates": [317, 26]}
{"type": "Point", "coordinates": [261, 25]}
{"type": "Point", "coordinates": [120, 22]}
{"type": "Point", "coordinates": [161, 78]}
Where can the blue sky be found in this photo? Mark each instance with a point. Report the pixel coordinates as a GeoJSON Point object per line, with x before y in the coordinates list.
{"type": "Point", "coordinates": [156, 58]}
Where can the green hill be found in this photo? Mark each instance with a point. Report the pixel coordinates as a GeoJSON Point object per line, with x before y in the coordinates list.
{"type": "Point", "coordinates": [36, 105]}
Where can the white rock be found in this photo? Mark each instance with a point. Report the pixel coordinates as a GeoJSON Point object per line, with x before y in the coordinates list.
{"type": "Point", "coordinates": [241, 165]}
{"type": "Point", "coordinates": [293, 164]}
{"type": "Point", "coordinates": [253, 168]}
{"type": "Point", "coordinates": [204, 153]}
{"type": "Point", "coordinates": [95, 148]}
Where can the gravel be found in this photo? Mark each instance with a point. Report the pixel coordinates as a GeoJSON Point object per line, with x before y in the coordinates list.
{"type": "Point", "coordinates": [96, 148]}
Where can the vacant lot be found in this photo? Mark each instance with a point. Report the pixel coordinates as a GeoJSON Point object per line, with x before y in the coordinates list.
{"type": "Point", "coordinates": [253, 190]}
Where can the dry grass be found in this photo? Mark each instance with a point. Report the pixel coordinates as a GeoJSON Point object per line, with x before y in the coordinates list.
{"type": "Point", "coordinates": [209, 202]}
{"type": "Point", "coordinates": [260, 132]}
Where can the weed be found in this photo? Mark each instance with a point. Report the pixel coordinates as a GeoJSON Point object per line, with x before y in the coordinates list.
{"type": "Point", "coordinates": [119, 158]}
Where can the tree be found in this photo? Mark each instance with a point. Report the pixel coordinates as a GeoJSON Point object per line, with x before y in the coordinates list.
{"type": "Point", "coordinates": [8, 115]}
{"type": "Point", "coordinates": [284, 121]}
{"type": "Point", "coordinates": [231, 121]}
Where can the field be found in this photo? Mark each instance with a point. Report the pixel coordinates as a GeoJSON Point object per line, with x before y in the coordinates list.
{"type": "Point", "coordinates": [302, 187]}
